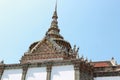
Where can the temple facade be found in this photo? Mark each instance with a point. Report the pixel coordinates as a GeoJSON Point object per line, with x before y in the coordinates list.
{"type": "Point", "coordinates": [53, 58]}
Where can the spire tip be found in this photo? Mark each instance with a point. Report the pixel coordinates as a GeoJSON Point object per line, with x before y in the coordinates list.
{"type": "Point", "coordinates": [56, 6]}
{"type": "Point", "coordinates": [55, 12]}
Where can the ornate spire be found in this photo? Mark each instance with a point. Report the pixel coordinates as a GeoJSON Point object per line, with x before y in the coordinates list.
{"type": "Point", "coordinates": [55, 12]}
{"type": "Point", "coordinates": [55, 17]}
{"type": "Point", "coordinates": [50, 46]}
{"type": "Point", "coordinates": [53, 31]}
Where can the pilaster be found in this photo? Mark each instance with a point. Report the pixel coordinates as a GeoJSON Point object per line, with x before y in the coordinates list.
{"type": "Point", "coordinates": [77, 71]}
{"type": "Point", "coordinates": [1, 71]}
{"type": "Point", "coordinates": [25, 68]}
{"type": "Point", "coordinates": [49, 68]}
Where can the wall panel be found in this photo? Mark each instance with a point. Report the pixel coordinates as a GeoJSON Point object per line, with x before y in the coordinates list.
{"type": "Point", "coordinates": [63, 72]}
{"type": "Point", "coordinates": [13, 74]}
{"type": "Point", "coordinates": [36, 73]}
{"type": "Point", "coordinates": [108, 78]}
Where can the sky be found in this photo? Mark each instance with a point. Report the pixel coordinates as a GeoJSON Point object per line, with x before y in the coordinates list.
{"type": "Point", "coordinates": [91, 25]}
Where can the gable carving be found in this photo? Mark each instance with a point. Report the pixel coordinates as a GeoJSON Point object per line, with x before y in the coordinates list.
{"type": "Point", "coordinates": [45, 46]}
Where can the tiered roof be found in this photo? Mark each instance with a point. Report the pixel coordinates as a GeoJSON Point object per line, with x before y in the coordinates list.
{"type": "Point", "coordinates": [51, 47]}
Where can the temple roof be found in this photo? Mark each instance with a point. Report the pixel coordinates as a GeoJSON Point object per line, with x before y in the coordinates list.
{"type": "Point", "coordinates": [108, 63]}
{"type": "Point", "coordinates": [52, 46]}
{"type": "Point", "coordinates": [102, 64]}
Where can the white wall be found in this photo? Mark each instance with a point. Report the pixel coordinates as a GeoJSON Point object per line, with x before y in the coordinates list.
{"type": "Point", "coordinates": [108, 78]}
{"type": "Point", "coordinates": [36, 73]}
{"type": "Point", "coordinates": [13, 74]}
{"type": "Point", "coordinates": [62, 73]}
{"type": "Point", "coordinates": [39, 73]}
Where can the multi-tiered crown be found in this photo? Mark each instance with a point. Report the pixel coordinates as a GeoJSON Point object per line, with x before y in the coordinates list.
{"type": "Point", "coordinates": [51, 47]}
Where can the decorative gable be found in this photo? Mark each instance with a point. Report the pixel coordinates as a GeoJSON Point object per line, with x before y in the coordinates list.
{"type": "Point", "coordinates": [43, 47]}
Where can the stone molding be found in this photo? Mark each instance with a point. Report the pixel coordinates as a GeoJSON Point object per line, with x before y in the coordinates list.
{"type": "Point", "coordinates": [75, 62]}
{"type": "Point", "coordinates": [107, 71]}
{"type": "Point", "coordinates": [107, 74]}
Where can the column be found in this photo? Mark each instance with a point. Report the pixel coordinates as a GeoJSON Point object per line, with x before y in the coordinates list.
{"type": "Point", "coordinates": [25, 68]}
{"type": "Point", "coordinates": [49, 68]}
{"type": "Point", "coordinates": [77, 71]}
{"type": "Point", "coordinates": [1, 71]}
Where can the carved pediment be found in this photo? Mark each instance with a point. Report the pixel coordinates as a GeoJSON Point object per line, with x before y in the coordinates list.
{"type": "Point", "coordinates": [45, 46]}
